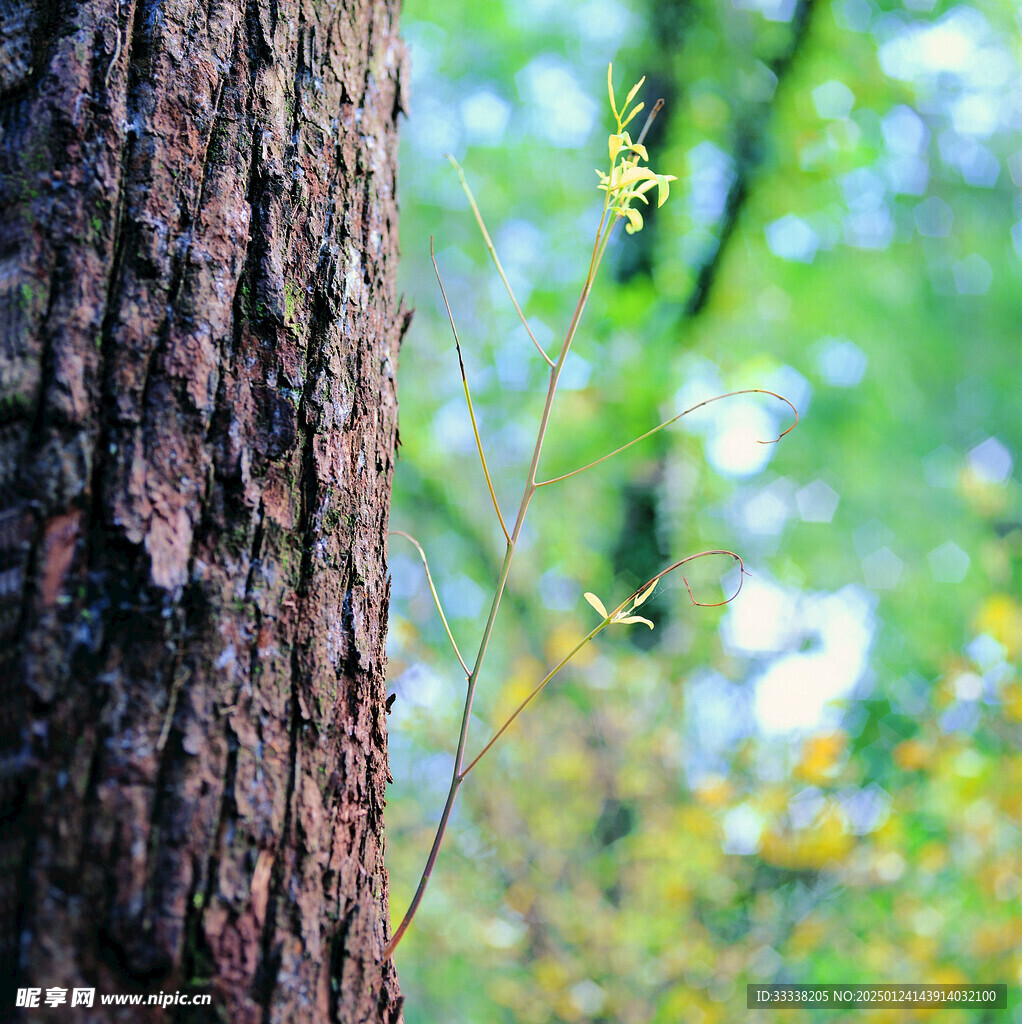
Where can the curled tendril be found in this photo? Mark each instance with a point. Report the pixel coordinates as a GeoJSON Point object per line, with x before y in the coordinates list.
{"type": "Point", "coordinates": [790, 406]}
{"type": "Point", "coordinates": [674, 419]}
{"type": "Point", "coordinates": [691, 558]}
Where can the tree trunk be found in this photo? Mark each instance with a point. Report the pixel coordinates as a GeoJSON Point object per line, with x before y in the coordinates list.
{"type": "Point", "coordinates": [198, 238]}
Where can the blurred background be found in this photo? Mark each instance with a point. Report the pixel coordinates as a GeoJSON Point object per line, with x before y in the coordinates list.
{"type": "Point", "coordinates": [821, 782]}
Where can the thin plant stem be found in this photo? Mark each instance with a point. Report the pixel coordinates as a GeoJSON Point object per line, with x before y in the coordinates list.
{"type": "Point", "coordinates": [458, 774]}
{"type": "Point", "coordinates": [426, 872]}
{"type": "Point", "coordinates": [468, 395]}
{"type": "Point", "coordinates": [535, 692]}
{"type": "Point", "coordinates": [496, 259]}
{"type": "Point", "coordinates": [603, 625]}
{"type": "Point", "coordinates": [432, 590]}
{"type": "Point", "coordinates": [657, 107]}
{"type": "Point", "coordinates": [611, 213]}
{"type": "Point", "coordinates": [674, 419]}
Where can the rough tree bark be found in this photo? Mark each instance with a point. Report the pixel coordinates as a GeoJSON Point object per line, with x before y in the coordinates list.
{"type": "Point", "coordinates": [198, 236]}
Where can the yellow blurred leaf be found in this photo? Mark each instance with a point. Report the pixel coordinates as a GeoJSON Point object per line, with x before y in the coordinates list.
{"type": "Point", "coordinates": [1011, 699]}
{"type": "Point", "coordinates": [507, 991]}
{"type": "Point", "coordinates": [807, 936]}
{"type": "Point", "coordinates": [561, 639]}
{"type": "Point", "coordinates": [520, 897]}
{"type": "Point", "coordinates": [525, 674]}
{"type": "Point", "coordinates": [822, 756]}
{"type": "Point", "coordinates": [988, 499]}
{"type": "Point", "coordinates": [570, 763]}
{"type": "Point", "coordinates": [1001, 616]}
{"type": "Point", "coordinates": [912, 755]}
{"type": "Point", "coordinates": [826, 841]}
{"type": "Point", "coordinates": [932, 856]}
{"type": "Point", "coordinates": [1000, 937]}
{"type": "Point", "coordinates": [550, 974]}
{"type": "Point", "coordinates": [714, 791]}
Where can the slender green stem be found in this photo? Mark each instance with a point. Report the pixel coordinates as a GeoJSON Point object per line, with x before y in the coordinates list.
{"type": "Point", "coordinates": [674, 419]}
{"type": "Point", "coordinates": [535, 692]}
{"type": "Point", "coordinates": [496, 259]}
{"type": "Point", "coordinates": [436, 596]}
{"type": "Point", "coordinates": [635, 599]}
{"type": "Point", "coordinates": [468, 394]}
{"type": "Point", "coordinates": [609, 217]}
{"type": "Point", "coordinates": [657, 107]}
{"type": "Point", "coordinates": [458, 774]}
{"type": "Point", "coordinates": [484, 643]}
{"type": "Point", "coordinates": [427, 871]}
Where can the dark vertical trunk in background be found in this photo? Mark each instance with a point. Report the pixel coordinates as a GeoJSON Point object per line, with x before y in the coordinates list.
{"type": "Point", "coordinates": [198, 236]}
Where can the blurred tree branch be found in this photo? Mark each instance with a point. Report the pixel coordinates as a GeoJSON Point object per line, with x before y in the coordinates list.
{"type": "Point", "coordinates": [751, 126]}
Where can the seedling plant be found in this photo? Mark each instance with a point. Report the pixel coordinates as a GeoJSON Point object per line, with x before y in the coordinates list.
{"type": "Point", "coordinates": [627, 185]}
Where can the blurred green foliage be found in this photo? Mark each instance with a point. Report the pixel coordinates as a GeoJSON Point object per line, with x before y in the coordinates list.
{"type": "Point", "coordinates": [823, 781]}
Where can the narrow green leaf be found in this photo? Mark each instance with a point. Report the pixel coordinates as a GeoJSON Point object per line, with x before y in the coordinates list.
{"type": "Point", "coordinates": [634, 618]}
{"type": "Point", "coordinates": [610, 91]}
{"type": "Point", "coordinates": [632, 114]}
{"type": "Point", "coordinates": [663, 188]}
{"type": "Point", "coordinates": [635, 88]}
